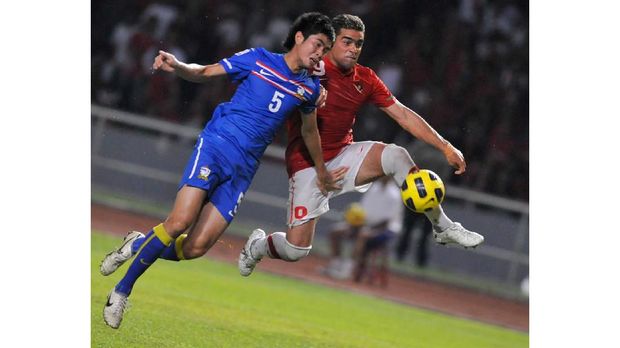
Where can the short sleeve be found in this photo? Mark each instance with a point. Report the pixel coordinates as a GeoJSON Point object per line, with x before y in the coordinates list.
{"type": "Point", "coordinates": [310, 105]}
{"type": "Point", "coordinates": [381, 95]}
{"type": "Point", "coordinates": [238, 66]}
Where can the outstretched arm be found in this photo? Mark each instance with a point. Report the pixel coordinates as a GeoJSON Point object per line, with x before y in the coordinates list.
{"type": "Point", "coordinates": [190, 72]}
{"type": "Point", "coordinates": [310, 133]}
{"type": "Point", "coordinates": [419, 128]}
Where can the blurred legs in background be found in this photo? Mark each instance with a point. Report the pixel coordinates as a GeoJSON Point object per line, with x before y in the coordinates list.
{"type": "Point", "coordinates": [413, 221]}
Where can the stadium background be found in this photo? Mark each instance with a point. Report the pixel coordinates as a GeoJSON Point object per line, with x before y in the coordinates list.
{"type": "Point", "coordinates": [463, 65]}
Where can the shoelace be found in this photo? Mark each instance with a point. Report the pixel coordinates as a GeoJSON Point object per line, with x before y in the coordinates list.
{"type": "Point", "coordinates": [248, 254]}
{"type": "Point", "coordinates": [466, 235]}
{"type": "Point", "coordinates": [250, 251]}
{"type": "Point", "coordinates": [122, 307]}
{"type": "Point", "coordinates": [117, 258]}
{"type": "Point", "coordinates": [244, 252]}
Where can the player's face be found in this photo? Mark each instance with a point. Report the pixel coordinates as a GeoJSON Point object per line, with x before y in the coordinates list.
{"type": "Point", "coordinates": [347, 48]}
{"type": "Point", "coordinates": [312, 50]}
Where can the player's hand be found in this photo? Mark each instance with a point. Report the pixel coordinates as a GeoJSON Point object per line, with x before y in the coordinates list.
{"type": "Point", "coordinates": [320, 102]}
{"type": "Point", "coordinates": [337, 177]}
{"type": "Point", "coordinates": [455, 157]}
{"type": "Point", "coordinates": [331, 180]}
{"type": "Point", "coordinates": [165, 61]}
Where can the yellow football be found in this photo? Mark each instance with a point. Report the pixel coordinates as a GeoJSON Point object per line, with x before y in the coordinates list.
{"type": "Point", "coordinates": [422, 191]}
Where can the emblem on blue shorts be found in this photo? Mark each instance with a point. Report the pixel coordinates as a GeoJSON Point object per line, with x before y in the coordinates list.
{"type": "Point", "coordinates": [204, 173]}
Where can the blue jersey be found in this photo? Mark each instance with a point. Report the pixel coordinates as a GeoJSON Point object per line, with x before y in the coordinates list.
{"type": "Point", "coordinates": [268, 92]}
{"type": "Point", "coordinates": [228, 150]}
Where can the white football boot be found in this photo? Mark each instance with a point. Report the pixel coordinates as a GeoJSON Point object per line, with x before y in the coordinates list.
{"type": "Point", "coordinates": [114, 259]}
{"type": "Point", "coordinates": [247, 262]}
{"type": "Point", "coordinates": [457, 234]}
{"type": "Point", "coordinates": [114, 309]}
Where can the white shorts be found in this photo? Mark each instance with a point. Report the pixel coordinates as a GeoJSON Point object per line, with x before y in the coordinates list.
{"type": "Point", "coordinates": [306, 202]}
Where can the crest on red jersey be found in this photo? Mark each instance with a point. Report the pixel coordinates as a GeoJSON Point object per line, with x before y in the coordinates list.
{"type": "Point", "coordinates": [358, 86]}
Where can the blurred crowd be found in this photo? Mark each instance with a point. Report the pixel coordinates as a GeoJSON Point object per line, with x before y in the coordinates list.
{"type": "Point", "coordinates": [461, 64]}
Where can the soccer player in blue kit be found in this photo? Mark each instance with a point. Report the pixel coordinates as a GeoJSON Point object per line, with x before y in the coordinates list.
{"type": "Point", "coordinates": [228, 150]}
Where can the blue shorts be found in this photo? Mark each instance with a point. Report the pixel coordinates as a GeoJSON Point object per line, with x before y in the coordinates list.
{"type": "Point", "coordinates": [209, 170]}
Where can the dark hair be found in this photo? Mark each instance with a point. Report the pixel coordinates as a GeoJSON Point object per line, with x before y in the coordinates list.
{"type": "Point", "coordinates": [347, 21]}
{"type": "Point", "coordinates": [309, 23]}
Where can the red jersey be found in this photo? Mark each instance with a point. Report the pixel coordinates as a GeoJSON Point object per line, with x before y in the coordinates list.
{"type": "Point", "coordinates": [346, 95]}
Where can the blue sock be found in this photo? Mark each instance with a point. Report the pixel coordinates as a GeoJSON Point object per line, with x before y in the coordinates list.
{"type": "Point", "coordinates": [152, 246]}
{"type": "Point", "coordinates": [135, 246]}
{"type": "Point", "coordinates": [173, 252]}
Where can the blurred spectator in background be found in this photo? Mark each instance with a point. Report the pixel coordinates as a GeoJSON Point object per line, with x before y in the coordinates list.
{"type": "Point", "coordinates": [413, 221]}
{"type": "Point", "coordinates": [372, 224]}
{"type": "Point", "coordinates": [383, 222]}
{"type": "Point", "coordinates": [340, 265]}
{"type": "Point", "coordinates": [462, 64]}
{"type": "Point", "coordinates": [165, 13]}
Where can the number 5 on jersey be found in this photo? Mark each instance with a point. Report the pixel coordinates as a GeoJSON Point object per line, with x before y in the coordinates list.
{"type": "Point", "coordinates": [233, 212]}
{"type": "Point", "coordinates": [276, 102]}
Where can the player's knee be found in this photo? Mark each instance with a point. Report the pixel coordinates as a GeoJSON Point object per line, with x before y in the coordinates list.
{"type": "Point", "coordinates": [193, 251]}
{"type": "Point", "coordinates": [392, 155]}
{"type": "Point", "coordinates": [177, 224]}
{"type": "Point", "coordinates": [396, 161]}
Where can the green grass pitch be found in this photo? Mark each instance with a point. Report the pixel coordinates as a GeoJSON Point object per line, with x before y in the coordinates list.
{"type": "Point", "coordinates": [203, 303]}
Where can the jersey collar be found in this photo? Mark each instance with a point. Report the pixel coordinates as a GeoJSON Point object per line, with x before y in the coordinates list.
{"type": "Point", "coordinates": [329, 64]}
{"type": "Point", "coordinates": [300, 75]}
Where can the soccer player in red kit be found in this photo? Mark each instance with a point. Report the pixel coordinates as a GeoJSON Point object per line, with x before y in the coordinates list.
{"type": "Point", "coordinates": [349, 86]}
